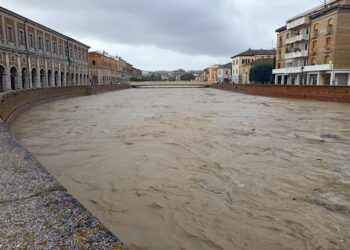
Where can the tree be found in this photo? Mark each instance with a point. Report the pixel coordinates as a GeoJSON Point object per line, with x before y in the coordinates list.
{"type": "Point", "coordinates": [261, 73]}
{"type": "Point", "coordinates": [188, 77]}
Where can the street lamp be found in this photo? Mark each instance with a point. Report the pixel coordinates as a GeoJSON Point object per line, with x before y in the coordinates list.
{"type": "Point", "coordinates": [302, 75]}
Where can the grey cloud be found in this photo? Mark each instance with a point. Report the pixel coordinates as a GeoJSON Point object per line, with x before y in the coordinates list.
{"type": "Point", "coordinates": [218, 28]}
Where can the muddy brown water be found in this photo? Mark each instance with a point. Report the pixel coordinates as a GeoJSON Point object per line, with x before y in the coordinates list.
{"type": "Point", "coordinates": [201, 168]}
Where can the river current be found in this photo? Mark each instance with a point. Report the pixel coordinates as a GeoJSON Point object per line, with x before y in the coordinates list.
{"type": "Point", "coordinates": [201, 168]}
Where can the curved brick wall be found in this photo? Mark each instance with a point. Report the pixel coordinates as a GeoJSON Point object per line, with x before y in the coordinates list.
{"type": "Point", "coordinates": [322, 93]}
{"type": "Point", "coordinates": [12, 103]}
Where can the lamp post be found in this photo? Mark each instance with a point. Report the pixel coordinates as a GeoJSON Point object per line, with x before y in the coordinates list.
{"type": "Point", "coordinates": [302, 75]}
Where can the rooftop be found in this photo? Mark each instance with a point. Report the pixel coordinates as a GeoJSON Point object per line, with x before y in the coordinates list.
{"type": "Point", "coordinates": [256, 52]}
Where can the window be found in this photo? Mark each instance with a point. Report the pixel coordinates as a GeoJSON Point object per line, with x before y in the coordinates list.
{"type": "Point", "coordinates": [314, 45]}
{"type": "Point", "coordinates": [327, 59]}
{"type": "Point", "coordinates": [93, 62]}
{"type": "Point", "coordinates": [31, 40]}
{"type": "Point", "coordinates": [313, 61]}
{"type": "Point", "coordinates": [60, 51]}
{"type": "Point", "coordinates": [54, 46]}
{"type": "Point", "coordinates": [10, 36]}
{"type": "Point", "coordinates": [21, 37]}
{"type": "Point", "coordinates": [328, 42]}
{"type": "Point", "coordinates": [316, 28]}
{"type": "Point", "coordinates": [40, 43]}
{"type": "Point", "coordinates": [48, 47]}
{"type": "Point", "coordinates": [330, 22]}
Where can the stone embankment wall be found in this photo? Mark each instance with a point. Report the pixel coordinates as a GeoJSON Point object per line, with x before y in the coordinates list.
{"type": "Point", "coordinates": [322, 93]}
{"type": "Point", "coordinates": [12, 103]}
{"type": "Point", "coordinates": [37, 212]}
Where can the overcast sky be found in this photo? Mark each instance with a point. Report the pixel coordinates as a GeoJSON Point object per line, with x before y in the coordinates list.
{"type": "Point", "coordinates": [166, 34]}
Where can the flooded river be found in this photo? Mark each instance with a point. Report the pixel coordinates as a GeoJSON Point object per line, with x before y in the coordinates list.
{"type": "Point", "coordinates": [201, 168]}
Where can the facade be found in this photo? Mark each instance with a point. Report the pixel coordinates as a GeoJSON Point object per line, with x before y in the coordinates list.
{"type": "Point", "coordinates": [224, 73]}
{"type": "Point", "coordinates": [314, 47]}
{"type": "Point", "coordinates": [241, 76]}
{"type": "Point", "coordinates": [213, 73]}
{"type": "Point", "coordinates": [34, 56]}
{"type": "Point", "coordinates": [103, 69]}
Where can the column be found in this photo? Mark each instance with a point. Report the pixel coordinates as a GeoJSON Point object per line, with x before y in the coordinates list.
{"type": "Point", "coordinates": [59, 75]}
{"type": "Point", "coordinates": [319, 79]}
{"type": "Point", "coordinates": [18, 80]}
{"type": "Point", "coordinates": [38, 83]}
{"type": "Point", "coordinates": [332, 83]}
{"type": "Point", "coordinates": [276, 79]}
{"type": "Point", "coordinates": [349, 80]}
{"type": "Point", "coordinates": [282, 80]}
{"type": "Point", "coordinates": [298, 81]}
{"type": "Point", "coordinates": [308, 79]}
{"type": "Point", "coordinates": [7, 76]}
{"type": "Point", "coordinates": [289, 80]}
{"type": "Point", "coordinates": [45, 82]}
{"type": "Point", "coordinates": [29, 63]}
{"type": "Point", "coordinates": [19, 73]}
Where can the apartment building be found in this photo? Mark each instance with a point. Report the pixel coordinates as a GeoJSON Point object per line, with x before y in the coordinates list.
{"type": "Point", "coordinates": [240, 73]}
{"type": "Point", "coordinates": [103, 68]}
{"type": "Point", "coordinates": [314, 47]}
{"type": "Point", "coordinates": [34, 56]}
{"type": "Point", "coordinates": [224, 73]}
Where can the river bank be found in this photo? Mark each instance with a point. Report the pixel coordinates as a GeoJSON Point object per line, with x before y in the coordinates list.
{"type": "Point", "coordinates": [36, 211]}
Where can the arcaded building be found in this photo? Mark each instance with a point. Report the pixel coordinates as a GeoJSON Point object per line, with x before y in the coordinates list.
{"type": "Point", "coordinates": [314, 47]}
{"type": "Point", "coordinates": [34, 56]}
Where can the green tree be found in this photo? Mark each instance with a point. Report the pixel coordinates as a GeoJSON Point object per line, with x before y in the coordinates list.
{"type": "Point", "coordinates": [261, 73]}
{"type": "Point", "coordinates": [188, 77]}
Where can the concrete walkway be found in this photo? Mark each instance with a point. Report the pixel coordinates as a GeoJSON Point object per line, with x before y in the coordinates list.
{"type": "Point", "coordinates": [36, 212]}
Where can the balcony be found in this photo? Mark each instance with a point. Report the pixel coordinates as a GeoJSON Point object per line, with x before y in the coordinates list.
{"type": "Point", "coordinates": [298, 38]}
{"type": "Point", "coordinates": [327, 50]}
{"type": "Point", "coordinates": [305, 69]}
{"type": "Point", "coordinates": [298, 22]}
{"type": "Point", "coordinates": [296, 54]}
{"type": "Point", "coordinates": [329, 30]}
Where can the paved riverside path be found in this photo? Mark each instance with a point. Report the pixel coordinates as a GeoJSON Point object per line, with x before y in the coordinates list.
{"type": "Point", "coordinates": [36, 212]}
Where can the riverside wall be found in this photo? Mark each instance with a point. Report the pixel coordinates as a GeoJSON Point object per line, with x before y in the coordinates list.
{"type": "Point", "coordinates": [36, 211]}
{"type": "Point", "coordinates": [321, 93]}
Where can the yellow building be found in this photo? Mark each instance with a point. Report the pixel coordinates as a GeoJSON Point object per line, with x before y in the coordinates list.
{"type": "Point", "coordinates": [213, 74]}
{"type": "Point", "coordinates": [34, 56]}
{"type": "Point", "coordinates": [103, 69]}
{"type": "Point", "coordinates": [314, 47]}
{"type": "Point", "coordinates": [241, 63]}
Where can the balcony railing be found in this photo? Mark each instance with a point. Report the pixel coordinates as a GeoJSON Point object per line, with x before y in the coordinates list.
{"type": "Point", "coordinates": [305, 69]}
{"type": "Point", "coordinates": [297, 54]}
{"type": "Point", "coordinates": [298, 38]}
{"type": "Point", "coordinates": [315, 34]}
{"type": "Point", "coordinates": [327, 50]}
{"type": "Point", "coordinates": [298, 22]}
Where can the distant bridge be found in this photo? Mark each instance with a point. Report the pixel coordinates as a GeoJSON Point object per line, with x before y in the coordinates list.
{"type": "Point", "coordinates": [171, 85]}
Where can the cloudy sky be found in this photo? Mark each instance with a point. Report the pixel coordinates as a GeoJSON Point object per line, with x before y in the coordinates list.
{"type": "Point", "coordinates": [166, 34]}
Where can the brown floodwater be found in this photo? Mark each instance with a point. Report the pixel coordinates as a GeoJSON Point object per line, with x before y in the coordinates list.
{"type": "Point", "coordinates": [201, 168]}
